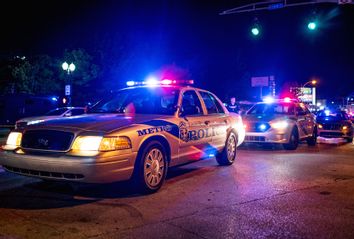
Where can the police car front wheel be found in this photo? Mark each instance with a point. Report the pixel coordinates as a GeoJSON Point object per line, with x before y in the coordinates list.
{"type": "Point", "coordinates": [151, 168]}
{"type": "Point", "coordinates": [228, 155]}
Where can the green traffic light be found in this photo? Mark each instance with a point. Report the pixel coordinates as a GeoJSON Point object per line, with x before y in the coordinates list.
{"type": "Point", "coordinates": [255, 31]}
{"type": "Point", "coordinates": [312, 26]}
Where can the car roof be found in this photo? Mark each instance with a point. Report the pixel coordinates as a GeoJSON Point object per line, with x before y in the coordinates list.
{"type": "Point", "coordinates": [180, 87]}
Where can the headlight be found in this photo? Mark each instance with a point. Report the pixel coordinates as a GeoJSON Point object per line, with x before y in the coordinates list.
{"type": "Point", "coordinates": [13, 141]}
{"type": "Point", "coordinates": [344, 127]}
{"type": "Point", "coordinates": [87, 143]}
{"type": "Point", "coordinates": [279, 125]}
{"type": "Point", "coordinates": [99, 143]}
{"type": "Point", "coordinates": [320, 126]}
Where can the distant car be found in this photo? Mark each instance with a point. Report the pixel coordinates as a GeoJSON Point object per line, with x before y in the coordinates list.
{"type": "Point", "coordinates": [56, 113]}
{"type": "Point", "coordinates": [283, 122]}
{"type": "Point", "coordinates": [136, 134]}
{"type": "Point", "coordinates": [334, 124]}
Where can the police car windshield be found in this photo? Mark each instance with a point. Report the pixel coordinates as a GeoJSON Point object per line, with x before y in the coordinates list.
{"type": "Point", "coordinates": [332, 116]}
{"type": "Point", "coordinates": [144, 100]}
{"type": "Point", "coordinates": [274, 108]}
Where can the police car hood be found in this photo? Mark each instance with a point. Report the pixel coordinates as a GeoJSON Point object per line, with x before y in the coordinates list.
{"type": "Point", "coordinates": [263, 117]}
{"type": "Point", "coordinates": [98, 122]}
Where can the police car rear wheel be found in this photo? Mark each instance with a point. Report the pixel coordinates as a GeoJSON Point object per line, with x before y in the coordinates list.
{"type": "Point", "coordinates": [152, 167]}
{"type": "Point", "coordinates": [228, 155]}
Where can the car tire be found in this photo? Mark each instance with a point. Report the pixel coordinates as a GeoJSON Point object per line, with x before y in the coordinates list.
{"type": "Point", "coordinates": [313, 139]}
{"type": "Point", "coordinates": [349, 140]}
{"type": "Point", "coordinates": [228, 154]}
{"type": "Point", "coordinates": [293, 140]}
{"type": "Point", "coordinates": [151, 168]}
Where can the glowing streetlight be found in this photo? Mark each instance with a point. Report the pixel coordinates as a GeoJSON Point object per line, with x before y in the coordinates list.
{"type": "Point", "coordinates": [68, 68]}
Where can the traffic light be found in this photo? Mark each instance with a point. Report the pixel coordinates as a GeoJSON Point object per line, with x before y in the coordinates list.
{"type": "Point", "coordinates": [255, 30]}
{"type": "Point", "coordinates": [256, 27]}
{"type": "Point", "coordinates": [312, 25]}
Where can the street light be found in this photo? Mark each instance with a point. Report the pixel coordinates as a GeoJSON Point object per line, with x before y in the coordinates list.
{"type": "Point", "coordinates": [312, 82]}
{"type": "Point", "coordinates": [69, 69]}
{"type": "Point", "coordinates": [313, 90]}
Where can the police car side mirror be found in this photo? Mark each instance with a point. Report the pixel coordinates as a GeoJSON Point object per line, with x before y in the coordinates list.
{"type": "Point", "coordinates": [67, 114]}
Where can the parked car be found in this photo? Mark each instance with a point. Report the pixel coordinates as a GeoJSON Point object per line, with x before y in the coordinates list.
{"type": "Point", "coordinates": [283, 122]}
{"type": "Point", "coordinates": [56, 113]}
{"type": "Point", "coordinates": [136, 134]}
{"type": "Point", "coordinates": [334, 124]}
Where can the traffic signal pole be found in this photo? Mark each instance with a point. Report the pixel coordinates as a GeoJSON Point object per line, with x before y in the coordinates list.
{"type": "Point", "coordinates": [273, 5]}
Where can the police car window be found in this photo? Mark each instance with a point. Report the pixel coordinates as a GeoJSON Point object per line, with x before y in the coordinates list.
{"type": "Point", "coordinates": [77, 112]}
{"type": "Point", "coordinates": [142, 100]}
{"type": "Point", "coordinates": [275, 108]}
{"type": "Point", "coordinates": [211, 103]}
{"type": "Point", "coordinates": [191, 104]}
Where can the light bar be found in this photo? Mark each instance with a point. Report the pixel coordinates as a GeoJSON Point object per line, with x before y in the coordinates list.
{"type": "Point", "coordinates": [154, 82]}
{"type": "Point", "coordinates": [287, 100]}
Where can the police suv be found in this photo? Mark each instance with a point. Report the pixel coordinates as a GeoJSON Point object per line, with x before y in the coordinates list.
{"type": "Point", "coordinates": [136, 134]}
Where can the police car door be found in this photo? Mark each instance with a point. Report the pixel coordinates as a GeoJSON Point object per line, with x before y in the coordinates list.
{"type": "Point", "coordinates": [218, 121]}
{"type": "Point", "coordinates": [192, 127]}
{"type": "Point", "coordinates": [302, 121]}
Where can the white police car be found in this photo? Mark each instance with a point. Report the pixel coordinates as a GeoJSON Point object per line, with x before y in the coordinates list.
{"type": "Point", "coordinates": [137, 133]}
{"type": "Point", "coordinates": [282, 121]}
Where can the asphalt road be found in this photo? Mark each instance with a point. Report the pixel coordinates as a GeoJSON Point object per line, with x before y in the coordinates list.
{"type": "Point", "coordinates": [267, 193]}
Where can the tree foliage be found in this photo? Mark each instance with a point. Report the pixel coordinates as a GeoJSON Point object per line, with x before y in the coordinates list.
{"type": "Point", "coordinates": [42, 74]}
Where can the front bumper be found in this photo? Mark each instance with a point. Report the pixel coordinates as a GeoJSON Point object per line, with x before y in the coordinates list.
{"type": "Point", "coordinates": [335, 133]}
{"type": "Point", "coordinates": [96, 169]}
{"type": "Point", "coordinates": [270, 136]}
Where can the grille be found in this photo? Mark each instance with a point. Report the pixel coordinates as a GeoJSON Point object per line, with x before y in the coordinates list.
{"type": "Point", "coordinates": [53, 175]}
{"type": "Point", "coordinates": [47, 140]}
{"type": "Point", "coordinates": [255, 138]}
{"type": "Point", "coordinates": [332, 126]}
{"type": "Point", "coordinates": [331, 134]}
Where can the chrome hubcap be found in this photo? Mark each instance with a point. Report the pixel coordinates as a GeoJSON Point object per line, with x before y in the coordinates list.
{"type": "Point", "coordinates": [231, 148]}
{"type": "Point", "coordinates": [154, 167]}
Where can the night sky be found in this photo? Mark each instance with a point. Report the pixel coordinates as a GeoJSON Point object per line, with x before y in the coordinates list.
{"type": "Point", "coordinates": [218, 51]}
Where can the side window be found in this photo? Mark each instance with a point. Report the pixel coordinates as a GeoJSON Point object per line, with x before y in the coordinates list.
{"type": "Point", "coordinates": [77, 112]}
{"type": "Point", "coordinates": [191, 104]}
{"type": "Point", "coordinates": [212, 105]}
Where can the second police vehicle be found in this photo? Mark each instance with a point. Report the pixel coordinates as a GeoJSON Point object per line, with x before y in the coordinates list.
{"type": "Point", "coordinates": [137, 133]}
{"type": "Point", "coordinates": [283, 121]}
